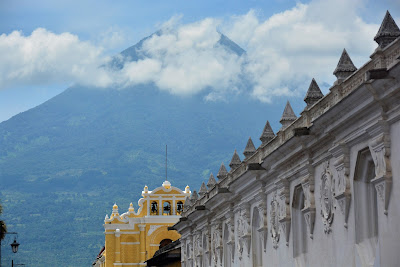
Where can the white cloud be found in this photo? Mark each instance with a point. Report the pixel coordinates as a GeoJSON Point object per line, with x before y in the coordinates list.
{"type": "Point", "coordinates": [44, 58]}
{"type": "Point", "coordinates": [288, 49]}
{"type": "Point", "coordinates": [283, 53]}
{"type": "Point", "coordinates": [188, 60]}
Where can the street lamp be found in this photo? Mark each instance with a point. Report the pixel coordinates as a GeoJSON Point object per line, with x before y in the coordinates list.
{"type": "Point", "coordinates": [14, 245]}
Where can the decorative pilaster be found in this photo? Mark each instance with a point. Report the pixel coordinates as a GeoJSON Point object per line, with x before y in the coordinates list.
{"type": "Point", "coordinates": [284, 208]}
{"type": "Point", "coordinates": [308, 211]}
{"type": "Point", "coordinates": [142, 228]}
{"type": "Point", "coordinates": [380, 151]}
{"type": "Point", "coordinates": [342, 192]}
{"type": "Point", "coordinates": [117, 246]}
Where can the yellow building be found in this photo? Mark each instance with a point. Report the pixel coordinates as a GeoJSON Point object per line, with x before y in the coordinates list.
{"type": "Point", "coordinates": [133, 237]}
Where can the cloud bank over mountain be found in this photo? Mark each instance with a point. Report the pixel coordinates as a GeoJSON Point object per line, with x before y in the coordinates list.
{"type": "Point", "coordinates": [283, 53]}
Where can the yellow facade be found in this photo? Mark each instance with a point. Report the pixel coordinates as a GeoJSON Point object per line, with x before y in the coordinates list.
{"type": "Point", "coordinates": [133, 237]}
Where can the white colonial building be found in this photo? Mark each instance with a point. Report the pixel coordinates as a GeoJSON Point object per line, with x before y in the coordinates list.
{"type": "Point", "coordinates": [323, 191]}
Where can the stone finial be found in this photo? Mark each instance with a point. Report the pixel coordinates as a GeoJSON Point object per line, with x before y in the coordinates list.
{"type": "Point", "coordinates": [222, 173]}
{"type": "Point", "coordinates": [345, 67]}
{"type": "Point", "coordinates": [166, 184]}
{"type": "Point", "coordinates": [187, 189]}
{"type": "Point", "coordinates": [313, 94]}
{"type": "Point", "coordinates": [131, 208]}
{"type": "Point", "coordinates": [288, 116]}
{"type": "Point", "coordinates": [203, 190]}
{"type": "Point", "coordinates": [106, 218]}
{"type": "Point", "coordinates": [235, 161]}
{"type": "Point", "coordinates": [186, 205]}
{"type": "Point", "coordinates": [211, 181]}
{"type": "Point", "coordinates": [388, 31]}
{"type": "Point", "coordinates": [194, 197]}
{"type": "Point", "coordinates": [115, 210]}
{"type": "Point", "coordinates": [250, 149]}
{"type": "Point", "coordinates": [267, 134]}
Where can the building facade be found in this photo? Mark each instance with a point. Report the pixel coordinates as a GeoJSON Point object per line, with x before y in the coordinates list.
{"type": "Point", "coordinates": [133, 237]}
{"type": "Point", "coordinates": [323, 191]}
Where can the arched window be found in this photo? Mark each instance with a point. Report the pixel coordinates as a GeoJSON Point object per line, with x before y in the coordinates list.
{"type": "Point", "coordinates": [299, 224]}
{"type": "Point", "coordinates": [256, 244]}
{"type": "Point", "coordinates": [226, 250]}
{"type": "Point", "coordinates": [154, 208]}
{"type": "Point", "coordinates": [179, 208]}
{"type": "Point", "coordinates": [166, 208]}
{"type": "Point", "coordinates": [165, 242]}
{"type": "Point", "coordinates": [365, 207]}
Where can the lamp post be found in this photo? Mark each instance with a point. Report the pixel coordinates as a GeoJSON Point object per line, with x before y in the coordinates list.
{"type": "Point", "coordinates": [17, 264]}
{"type": "Point", "coordinates": [14, 245]}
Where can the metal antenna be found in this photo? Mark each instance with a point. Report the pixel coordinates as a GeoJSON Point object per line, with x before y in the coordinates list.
{"type": "Point", "coordinates": [166, 158]}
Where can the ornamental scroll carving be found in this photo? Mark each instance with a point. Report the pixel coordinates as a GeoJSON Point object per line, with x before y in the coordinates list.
{"type": "Point", "coordinates": [216, 244]}
{"type": "Point", "coordinates": [380, 151]}
{"type": "Point", "coordinates": [206, 244]}
{"type": "Point", "coordinates": [231, 239]}
{"type": "Point", "coordinates": [197, 249]}
{"type": "Point", "coordinates": [243, 229]}
{"type": "Point", "coordinates": [341, 184]}
{"type": "Point", "coordinates": [263, 229]}
{"type": "Point", "coordinates": [274, 219]}
{"type": "Point", "coordinates": [190, 251]}
{"type": "Point", "coordinates": [183, 252]}
{"type": "Point", "coordinates": [308, 211]}
{"type": "Point", "coordinates": [326, 198]}
{"type": "Point", "coordinates": [283, 208]}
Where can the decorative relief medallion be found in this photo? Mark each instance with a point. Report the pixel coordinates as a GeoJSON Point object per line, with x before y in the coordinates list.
{"type": "Point", "coordinates": [326, 200]}
{"type": "Point", "coordinates": [274, 221]}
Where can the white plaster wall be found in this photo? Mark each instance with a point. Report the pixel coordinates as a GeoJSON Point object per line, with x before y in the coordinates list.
{"type": "Point", "coordinates": [389, 226]}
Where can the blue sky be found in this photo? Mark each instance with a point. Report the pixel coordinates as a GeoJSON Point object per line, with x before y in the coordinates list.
{"type": "Point", "coordinates": [49, 45]}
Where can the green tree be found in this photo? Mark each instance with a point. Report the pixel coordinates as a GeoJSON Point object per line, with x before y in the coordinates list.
{"type": "Point", "coordinates": [3, 227]}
